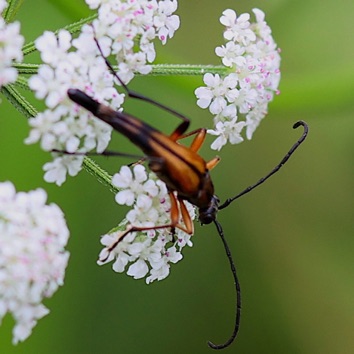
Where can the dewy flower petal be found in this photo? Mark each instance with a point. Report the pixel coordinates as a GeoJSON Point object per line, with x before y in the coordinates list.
{"type": "Point", "coordinates": [33, 236]}
{"type": "Point", "coordinates": [240, 99]}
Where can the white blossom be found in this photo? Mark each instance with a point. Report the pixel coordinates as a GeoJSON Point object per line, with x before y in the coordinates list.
{"type": "Point", "coordinates": [227, 131]}
{"type": "Point", "coordinates": [253, 58]}
{"type": "Point", "coordinates": [146, 254]}
{"type": "Point", "coordinates": [32, 256]}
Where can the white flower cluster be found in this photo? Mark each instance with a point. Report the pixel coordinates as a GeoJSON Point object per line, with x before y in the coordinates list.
{"type": "Point", "coordinates": [32, 256]}
{"type": "Point", "coordinates": [125, 29]}
{"type": "Point", "coordinates": [148, 253]}
{"type": "Point", "coordinates": [254, 61]}
{"type": "Point", "coordinates": [11, 42]}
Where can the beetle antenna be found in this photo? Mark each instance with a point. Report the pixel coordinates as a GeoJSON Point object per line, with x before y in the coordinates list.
{"type": "Point", "coordinates": [276, 168]}
{"type": "Point", "coordinates": [238, 292]}
{"type": "Point", "coordinates": [137, 95]}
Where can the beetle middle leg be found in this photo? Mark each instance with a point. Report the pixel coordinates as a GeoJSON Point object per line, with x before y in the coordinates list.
{"type": "Point", "coordinates": [178, 210]}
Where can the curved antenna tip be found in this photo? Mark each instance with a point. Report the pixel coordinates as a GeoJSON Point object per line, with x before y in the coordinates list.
{"type": "Point", "coordinates": [220, 346]}
{"type": "Point", "coordinates": [301, 123]}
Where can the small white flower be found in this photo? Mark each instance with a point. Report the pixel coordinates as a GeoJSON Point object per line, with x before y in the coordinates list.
{"type": "Point", "coordinates": [237, 28]}
{"type": "Point", "coordinates": [231, 54]}
{"type": "Point", "coordinates": [251, 53]}
{"type": "Point", "coordinates": [133, 185]}
{"type": "Point", "coordinates": [32, 256]}
{"type": "Point", "coordinates": [54, 48]}
{"type": "Point", "coordinates": [57, 169]}
{"type": "Point", "coordinates": [218, 92]}
{"type": "Point", "coordinates": [42, 125]}
{"type": "Point", "coordinates": [166, 23]}
{"type": "Point", "coordinates": [227, 131]}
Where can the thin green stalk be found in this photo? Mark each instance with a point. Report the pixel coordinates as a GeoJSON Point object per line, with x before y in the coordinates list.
{"type": "Point", "coordinates": [101, 175]}
{"type": "Point", "coordinates": [18, 101]}
{"type": "Point", "coordinates": [11, 10]}
{"type": "Point", "coordinates": [157, 70]}
{"type": "Point", "coordinates": [26, 69]}
{"type": "Point", "coordinates": [72, 28]}
{"type": "Point", "coordinates": [187, 69]}
{"type": "Point", "coordinates": [22, 82]}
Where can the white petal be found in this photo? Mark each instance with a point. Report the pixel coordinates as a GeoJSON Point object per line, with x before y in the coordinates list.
{"type": "Point", "coordinates": [125, 197]}
{"type": "Point", "coordinates": [138, 269]}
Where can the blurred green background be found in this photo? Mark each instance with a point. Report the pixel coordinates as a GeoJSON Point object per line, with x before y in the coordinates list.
{"type": "Point", "coordinates": [292, 239]}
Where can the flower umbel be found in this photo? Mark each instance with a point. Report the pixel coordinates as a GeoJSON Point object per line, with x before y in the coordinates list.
{"type": "Point", "coordinates": [240, 99]}
{"type": "Point", "coordinates": [32, 256]}
{"type": "Point", "coordinates": [124, 29]}
{"type": "Point", "coordinates": [148, 253]}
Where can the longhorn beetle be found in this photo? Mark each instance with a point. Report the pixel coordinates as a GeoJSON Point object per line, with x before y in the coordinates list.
{"type": "Point", "coordinates": [182, 169]}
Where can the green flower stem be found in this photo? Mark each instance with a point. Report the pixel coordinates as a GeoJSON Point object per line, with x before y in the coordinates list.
{"type": "Point", "coordinates": [18, 101]}
{"type": "Point", "coordinates": [157, 70]}
{"type": "Point", "coordinates": [188, 69]}
{"type": "Point", "coordinates": [72, 28]}
{"type": "Point", "coordinates": [101, 175]}
{"type": "Point", "coordinates": [26, 69]}
{"type": "Point", "coordinates": [11, 10]}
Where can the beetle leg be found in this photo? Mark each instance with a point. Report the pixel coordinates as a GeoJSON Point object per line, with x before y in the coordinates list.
{"type": "Point", "coordinates": [197, 141]}
{"type": "Point", "coordinates": [181, 211]}
{"type": "Point", "coordinates": [188, 226]}
{"type": "Point", "coordinates": [213, 162]}
{"type": "Point", "coordinates": [187, 220]}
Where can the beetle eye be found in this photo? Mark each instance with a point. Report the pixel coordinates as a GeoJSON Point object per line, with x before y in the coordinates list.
{"type": "Point", "coordinates": [208, 214]}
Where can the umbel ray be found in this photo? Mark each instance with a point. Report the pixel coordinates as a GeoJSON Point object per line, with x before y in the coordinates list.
{"type": "Point", "coordinates": [185, 173]}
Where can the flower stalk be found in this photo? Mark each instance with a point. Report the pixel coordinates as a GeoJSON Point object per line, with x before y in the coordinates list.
{"type": "Point", "coordinates": [156, 69]}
